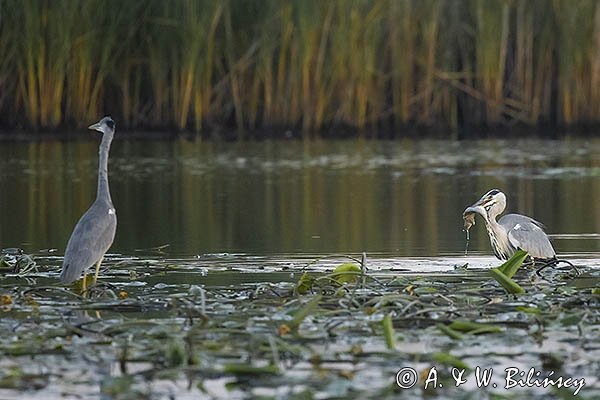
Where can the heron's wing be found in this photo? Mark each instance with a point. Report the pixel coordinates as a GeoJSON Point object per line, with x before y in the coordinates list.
{"type": "Point", "coordinates": [91, 238]}
{"type": "Point", "coordinates": [527, 234]}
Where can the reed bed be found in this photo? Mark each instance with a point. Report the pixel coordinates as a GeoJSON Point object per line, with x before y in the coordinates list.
{"type": "Point", "coordinates": [304, 65]}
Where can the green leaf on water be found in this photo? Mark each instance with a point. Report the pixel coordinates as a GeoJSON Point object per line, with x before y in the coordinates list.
{"type": "Point", "coordinates": [346, 273]}
{"type": "Point", "coordinates": [474, 328]}
{"type": "Point", "coordinates": [451, 333]}
{"type": "Point", "coordinates": [510, 267]}
{"type": "Point", "coordinates": [305, 283]}
{"type": "Point", "coordinates": [507, 283]}
{"type": "Point", "coordinates": [388, 332]}
{"type": "Point", "coordinates": [4, 264]}
{"type": "Point", "coordinates": [528, 310]}
{"type": "Point", "coordinates": [425, 290]}
{"type": "Point", "coordinates": [246, 369]}
{"type": "Point", "coordinates": [304, 311]}
{"type": "Point", "coordinates": [571, 319]}
{"type": "Point", "coordinates": [118, 386]}
{"type": "Point", "coordinates": [596, 291]}
{"type": "Point", "coordinates": [449, 360]}
{"type": "Point", "coordinates": [175, 353]}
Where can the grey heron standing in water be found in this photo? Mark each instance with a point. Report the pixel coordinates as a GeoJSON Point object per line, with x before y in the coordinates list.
{"type": "Point", "coordinates": [94, 233]}
{"type": "Point", "coordinates": [511, 232]}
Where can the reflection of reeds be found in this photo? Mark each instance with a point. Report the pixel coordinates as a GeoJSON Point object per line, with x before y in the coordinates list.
{"type": "Point", "coordinates": [306, 63]}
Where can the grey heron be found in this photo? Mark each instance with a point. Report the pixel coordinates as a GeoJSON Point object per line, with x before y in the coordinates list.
{"type": "Point", "coordinates": [94, 233]}
{"type": "Point", "coordinates": [511, 232]}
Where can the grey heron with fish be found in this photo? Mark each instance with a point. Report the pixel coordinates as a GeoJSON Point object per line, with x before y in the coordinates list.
{"type": "Point", "coordinates": [511, 232]}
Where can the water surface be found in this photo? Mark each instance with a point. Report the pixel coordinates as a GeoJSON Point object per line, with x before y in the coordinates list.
{"type": "Point", "coordinates": [199, 294]}
{"type": "Point", "coordinates": [402, 198]}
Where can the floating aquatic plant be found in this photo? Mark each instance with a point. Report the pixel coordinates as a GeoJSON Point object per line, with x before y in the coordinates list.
{"type": "Point", "coordinates": [189, 331]}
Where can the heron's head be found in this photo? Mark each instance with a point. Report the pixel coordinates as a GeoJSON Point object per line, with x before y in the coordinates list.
{"type": "Point", "coordinates": [489, 205]}
{"type": "Point", "coordinates": [105, 125]}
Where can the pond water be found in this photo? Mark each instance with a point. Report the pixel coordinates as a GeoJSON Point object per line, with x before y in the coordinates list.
{"type": "Point", "coordinates": [402, 198]}
{"type": "Point", "coordinates": [219, 284]}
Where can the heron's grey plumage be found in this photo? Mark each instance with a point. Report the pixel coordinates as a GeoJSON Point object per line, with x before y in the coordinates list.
{"type": "Point", "coordinates": [513, 231]}
{"type": "Point", "coordinates": [527, 234]}
{"type": "Point", "coordinates": [94, 233]}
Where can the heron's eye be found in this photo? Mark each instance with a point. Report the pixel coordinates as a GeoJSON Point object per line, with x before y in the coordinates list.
{"type": "Point", "coordinates": [111, 124]}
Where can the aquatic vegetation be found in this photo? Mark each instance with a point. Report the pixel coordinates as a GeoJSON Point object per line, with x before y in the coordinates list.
{"type": "Point", "coordinates": [347, 273]}
{"type": "Point", "coordinates": [211, 336]}
{"type": "Point", "coordinates": [510, 267]}
{"type": "Point", "coordinates": [507, 283]}
{"type": "Point", "coordinates": [16, 261]}
{"type": "Point", "coordinates": [310, 66]}
{"type": "Point", "coordinates": [504, 273]}
{"type": "Point", "coordinates": [388, 332]}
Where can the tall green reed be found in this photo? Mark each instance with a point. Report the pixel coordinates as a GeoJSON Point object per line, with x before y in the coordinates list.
{"type": "Point", "coordinates": [491, 48]}
{"type": "Point", "coordinates": [8, 50]}
{"type": "Point", "coordinates": [302, 64]}
{"type": "Point", "coordinates": [101, 49]}
{"type": "Point", "coordinates": [576, 41]}
{"type": "Point", "coordinates": [180, 47]}
{"type": "Point", "coordinates": [42, 58]}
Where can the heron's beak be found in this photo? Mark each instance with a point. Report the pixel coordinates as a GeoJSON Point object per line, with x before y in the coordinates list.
{"type": "Point", "coordinates": [469, 215]}
{"type": "Point", "coordinates": [474, 209]}
{"type": "Point", "coordinates": [478, 208]}
{"type": "Point", "coordinates": [95, 127]}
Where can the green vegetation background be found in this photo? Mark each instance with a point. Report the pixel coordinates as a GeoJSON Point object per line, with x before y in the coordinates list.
{"type": "Point", "coordinates": [311, 66]}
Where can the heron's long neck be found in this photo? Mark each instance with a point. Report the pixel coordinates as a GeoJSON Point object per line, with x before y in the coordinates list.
{"type": "Point", "coordinates": [498, 237]}
{"type": "Point", "coordinates": [493, 225]}
{"type": "Point", "coordinates": [103, 189]}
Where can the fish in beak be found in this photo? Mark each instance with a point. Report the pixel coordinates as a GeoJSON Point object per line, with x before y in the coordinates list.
{"type": "Point", "coordinates": [478, 208]}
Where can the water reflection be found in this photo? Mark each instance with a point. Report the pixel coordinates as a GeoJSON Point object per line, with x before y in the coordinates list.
{"type": "Point", "coordinates": [403, 197]}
